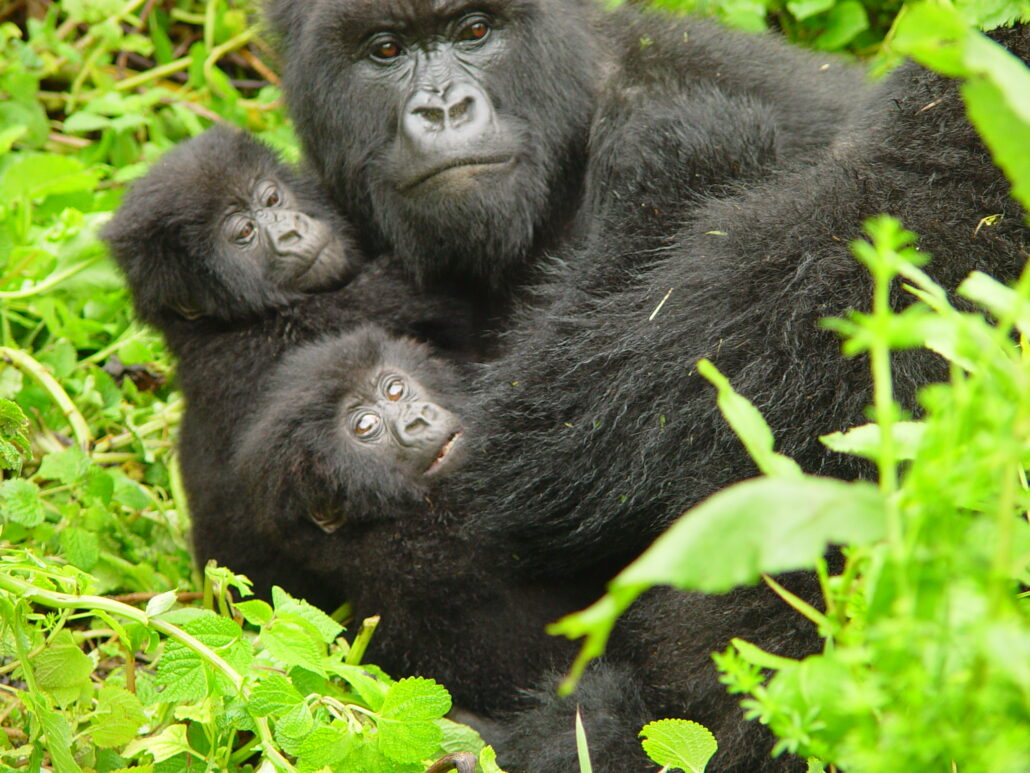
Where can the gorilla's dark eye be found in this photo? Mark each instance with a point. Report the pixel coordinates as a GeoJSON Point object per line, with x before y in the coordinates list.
{"type": "Point", "coordinates": [272, 198]}
{"type": "Point", "coordinates": [244, 232]}
{"type": "Point", "coordinates": [394, 388]}
{"type": "Point", "coordinates": [386, 49]}
{"type": "Point", "coordinates": [366, 424]}
{"type": "Point", "coordinates": [474, 29]}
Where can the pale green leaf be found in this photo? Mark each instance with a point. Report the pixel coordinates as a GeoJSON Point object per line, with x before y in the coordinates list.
{"type": "Point", "coordinates": [679, 744]}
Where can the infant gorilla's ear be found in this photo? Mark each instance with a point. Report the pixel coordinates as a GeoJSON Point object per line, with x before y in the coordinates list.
{"type": "Point", "coordinates": [221, 228]}
{"type": "Point", "coordinates": [350, 428]}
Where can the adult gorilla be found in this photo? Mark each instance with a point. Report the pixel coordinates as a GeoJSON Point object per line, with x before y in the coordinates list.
{"type": "Point", "coordinates": [464, 135]}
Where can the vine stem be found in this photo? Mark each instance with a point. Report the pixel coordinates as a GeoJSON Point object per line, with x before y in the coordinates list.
{"type": "Point", "coordinates": [50, 281]}
{"type": "Point", "coordinates": [34, 368]}
{"type": "Point", "coordinates": [58, 600]}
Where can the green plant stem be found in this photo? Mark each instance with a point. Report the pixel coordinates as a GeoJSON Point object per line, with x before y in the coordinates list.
{"type": "Point", "coordinates": [155, 73]}
{"type": "Point", "coordinates": [57, 600]}
{"type": "Point", "coordinates": [27, 364]}
{"type": "Point", "coordinates": [361, 641]}
{"type": "Point", "coordinates": [219, 51]}
{"type": "Point", "coordinates": [50, 281]}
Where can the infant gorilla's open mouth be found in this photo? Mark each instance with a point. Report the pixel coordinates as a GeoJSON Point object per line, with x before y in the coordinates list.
{"type": "Point", "coordinates": [443, 453]}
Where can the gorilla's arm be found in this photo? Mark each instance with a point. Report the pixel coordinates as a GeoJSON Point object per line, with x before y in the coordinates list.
{"type": "Point", "coordinates": [597, 431]}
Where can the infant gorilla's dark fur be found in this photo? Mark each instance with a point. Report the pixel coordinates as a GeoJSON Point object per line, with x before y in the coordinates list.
{"type": "Point", "coordinates": [354, 512]}
{"type": "Point", "coordinates": [229, 313]}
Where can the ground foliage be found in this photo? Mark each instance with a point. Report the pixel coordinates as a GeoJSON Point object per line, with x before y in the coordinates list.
{"type": "Point", "coordinates": [116, 653]}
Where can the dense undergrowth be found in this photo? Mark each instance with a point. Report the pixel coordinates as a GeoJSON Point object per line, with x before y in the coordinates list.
{"type": "Point", "coordinates": [116, 653]}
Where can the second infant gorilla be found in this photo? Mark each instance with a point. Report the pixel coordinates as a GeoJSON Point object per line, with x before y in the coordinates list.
{"type": "Point", "coordinates": [349, 435]}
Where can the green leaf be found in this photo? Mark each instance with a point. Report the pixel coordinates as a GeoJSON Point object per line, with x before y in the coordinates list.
{"type": "Point", "coordinates": [38, 176]}
{"type": "Point", "coordinates": [161, 603]}
{"type": "Point", "coordinates": [68, 466]}
{"type": "Point", "coordinates": [295, 643]}
{"type": "Point", "coordinates": [760, 526]}
{"type": "Point", "coordinates": [182, 673]}
{"type": "Point", "coordinates": [323, 748]}
{"type": "Point", "coordinates": [57, 731]}
{"type": "Point", "coordinates": [802, 9]}
{"type": "Point", "coordinates": [285, 605]}
{"type": "Point", "coordinates": [844, 21]}
{"type": "Point", "coordinates": [407, 731]}
{"type": "Point", "coordinates": [118, 717]}
{"type": "Point", "coordinates": [20, 502]}
{"type": "Point", "coordinates": [274, 696]}
{"type": "Point", "coordinates": [62, 668]}
{"type": "Point", "coordinates": [679, 744]}
{"type": "Point", "coordinates": [294, 727]}
{"type": "Point", "coordinates": [865, 441]}
{"type": "Point", "coordinates": [582, 747]}
{"type": "Point", "coordinates": [749, 425]}
{"type": "Point", "coordinates": [80, 547]}
{"type": "Point", "coordinates": [255, 611]}
{"type": "Point", "coordinates": [168, 743]}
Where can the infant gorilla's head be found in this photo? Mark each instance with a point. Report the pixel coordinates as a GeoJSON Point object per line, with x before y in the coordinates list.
{"type": "Point", "coordinates": [221, 228]}
{"type": "Point", "coordinates": [352, 428]}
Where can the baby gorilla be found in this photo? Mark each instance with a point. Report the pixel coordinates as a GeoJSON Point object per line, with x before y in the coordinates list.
{"type": "Point", "coordinates": [230, 232]}
{"type": "Point", "coordinates": [353, 433]}
{"type": "Point", "coordinates": [365, 422]}
{"type": "Point", "coordinates": [237, 260]}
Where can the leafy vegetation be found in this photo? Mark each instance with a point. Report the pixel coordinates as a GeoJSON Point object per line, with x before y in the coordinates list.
{"type": "Point", "coordinates": [116, 653]}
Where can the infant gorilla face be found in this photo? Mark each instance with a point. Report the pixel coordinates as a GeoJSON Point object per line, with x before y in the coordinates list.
{"type": "Point", "coordinates": [393, 418]}
{"type": "Point", "coordinates": [265, 228]}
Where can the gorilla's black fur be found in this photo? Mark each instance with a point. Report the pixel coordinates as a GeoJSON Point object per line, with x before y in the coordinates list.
{"type": "Point", "coordinates": [596, 429]}
{"type": "Point", "coordinates": [446, 612]}
{"type": "Point", "coordinates": [598, 115]}
{"type": "Point", "coordinates": [610, 433]}
{"type": "Point", "coordinates": [240, 324]}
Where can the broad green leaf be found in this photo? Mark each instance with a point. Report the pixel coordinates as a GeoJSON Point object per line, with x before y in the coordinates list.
{"type": "Point", "coordinates": [749, 425]}
{"type": "Point", "coordinates": [285, 604]}
{"type": "Point", "coordinates": [38, 176]}
{"type": "Point", "coordinates": [80, 547]}
{"type": "Point", "coordinates": [844, 21]}
{"type": "Point", "coordinates": [20, 502]}
{"type": "Point", "coordinates": [182, 673]}
{"type": "Point", "coordinates": [679, 744]}
{"type": "Point", "coordinates": [760, 526]}
{"type": "Point", "coordinates": [57, 732]}
{"type": "Point", "coordinates": [458, 738]}
{"type": "Point", "coordinates": [118, 717]}
{"type": "Point", "coordinates": [324, 747]}
{"type": "Point", "coordinates": [275, 696]}
{"type": "Point", "coordinates": [68, 466]}
{"type": "Point", "coordinates": [62, 668]}
{"type": "Point", "coordinates": [294, 727]}
{"type": "Point", "coordinates": [295, 643]}
{"type": "Point", "coordinates": [371, 690]}
{"type": "Point", "coordinates": [165, 745]}
{"type": "Point", "coordinates": [407, 730]}
{"type": "Point", "coordinates": [255, 611]}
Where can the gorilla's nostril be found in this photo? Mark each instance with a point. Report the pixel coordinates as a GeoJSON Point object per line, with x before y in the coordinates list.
{"type": "Point", "coordinates": [458, 111]}
{"type": "Point", "coordinates": [434, 116]}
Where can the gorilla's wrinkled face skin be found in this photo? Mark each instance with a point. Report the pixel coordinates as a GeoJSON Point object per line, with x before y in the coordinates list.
{"type": "Point", "coordinates": [453, 130]}
{"type": "Point", "coordinates": [264, 229]}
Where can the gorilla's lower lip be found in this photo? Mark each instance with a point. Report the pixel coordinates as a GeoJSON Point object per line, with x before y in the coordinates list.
{"type": "Point", "coordinates": [442, 454]}
{"type": "Point", "coordinates": [469, 164]}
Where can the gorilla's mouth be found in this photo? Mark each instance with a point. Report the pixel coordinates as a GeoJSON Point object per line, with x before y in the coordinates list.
{"type": "Point", "coordinates": [467, 166]}
{"type": "Point", "coordinates": [442, 454]}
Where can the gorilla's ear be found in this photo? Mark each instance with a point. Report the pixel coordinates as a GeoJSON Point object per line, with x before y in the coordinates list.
{"type": "Point", "coordinates": [285, 18]}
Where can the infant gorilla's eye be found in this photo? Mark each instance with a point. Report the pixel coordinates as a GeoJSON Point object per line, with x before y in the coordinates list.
{"type": "Point", "coordinates": [366, 424]}
{"type": "Point", "coordinates": [272, 198]}
{"type": "Point", "coordinates": [474, 29]}
{"type": "Point", "coordinates": [394, 388]}
{"type": "Point", "coordinates": [245, 232]}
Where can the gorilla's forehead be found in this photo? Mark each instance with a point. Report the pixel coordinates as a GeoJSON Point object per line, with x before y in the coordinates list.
{"type": "Point", "coordinates": [414, 12]}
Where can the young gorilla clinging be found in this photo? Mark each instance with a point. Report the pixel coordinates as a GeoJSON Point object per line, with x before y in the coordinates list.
{"type": "Point", "coordinates": [353, 434]}
{"type": "Point", "coordinates": [236, 261]}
